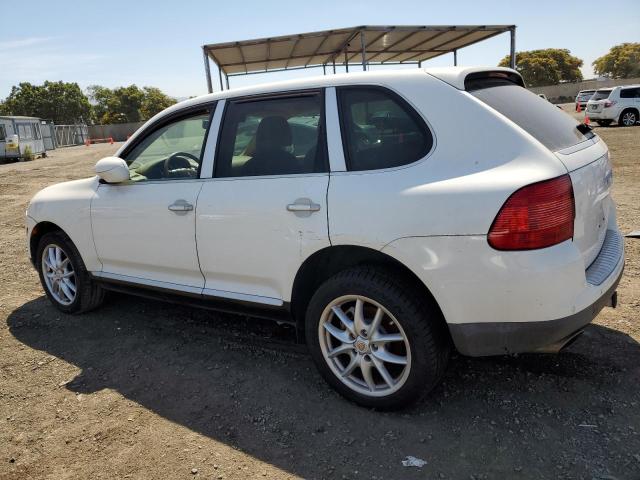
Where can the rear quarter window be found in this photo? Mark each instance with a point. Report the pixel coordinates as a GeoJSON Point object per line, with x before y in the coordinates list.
{"type": "Point", "coordinates": [544, 121]}
{"type": "Point", "coordinates": [630, 93]}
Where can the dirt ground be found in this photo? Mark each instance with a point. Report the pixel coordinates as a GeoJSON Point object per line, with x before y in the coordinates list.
{"type": "Point", "coordinates": [141, 389]}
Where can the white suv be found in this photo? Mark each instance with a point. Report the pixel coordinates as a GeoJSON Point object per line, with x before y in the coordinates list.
{"type": "Point", "coordinates": [617, 104]}
{"type": "Point", "coordinates": [389, 215]}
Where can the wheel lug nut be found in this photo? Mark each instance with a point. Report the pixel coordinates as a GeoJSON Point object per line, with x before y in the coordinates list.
{"type": "Point", "coordinates": [363, 333]}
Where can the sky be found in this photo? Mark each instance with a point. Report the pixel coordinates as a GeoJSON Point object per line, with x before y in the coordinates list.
{"type": "Point", "coordinates": [158, 43]}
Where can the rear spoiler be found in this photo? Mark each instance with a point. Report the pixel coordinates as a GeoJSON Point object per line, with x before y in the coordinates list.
{"type": "Point", "coordinates": [478, 80]}
{"type": "Point", "coordinates": [470, 78]}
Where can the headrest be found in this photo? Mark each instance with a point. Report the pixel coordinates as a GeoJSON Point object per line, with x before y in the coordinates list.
{"type": "Point", "coordinates": [273, 132]}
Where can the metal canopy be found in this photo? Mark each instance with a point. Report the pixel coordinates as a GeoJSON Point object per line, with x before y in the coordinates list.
{"type": "Point", "coordinates": [364, 45]}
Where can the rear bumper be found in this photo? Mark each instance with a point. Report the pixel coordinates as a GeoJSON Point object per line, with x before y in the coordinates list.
{"type": "Point", "coordinates": [606, 114]}
{"type": "Point", "coordinates": [497, 338]}
{"type": "Point", "coordinates": [498, 303]}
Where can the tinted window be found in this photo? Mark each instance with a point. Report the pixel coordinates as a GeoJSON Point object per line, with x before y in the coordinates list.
{"type": "Point", "coordinates": [3, 133]}
{"type": "Point", "coordinates": [172, 151]}
{"type": "Point", "coordinates": [630, 93]}
{"type": "Point", "coordinates": [601, 95]}
{"type": "Point", "coordinates": [272, 136]}
{"type": "Point", "coordinates": [543, 120]}
{"type": "Point", "coordinates": [379, 130]}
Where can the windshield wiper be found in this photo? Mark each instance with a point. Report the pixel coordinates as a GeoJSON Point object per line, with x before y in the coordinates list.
{"type": "Point", "coordinates": [583, 128]}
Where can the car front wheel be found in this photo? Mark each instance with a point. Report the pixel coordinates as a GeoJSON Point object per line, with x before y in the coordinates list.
{"type": "Point", "coordinates": [64, 277]}
{"type": "Point", "coordinates": [375, 339]}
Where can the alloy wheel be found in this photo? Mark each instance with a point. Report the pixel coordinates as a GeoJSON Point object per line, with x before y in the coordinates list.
{"type": "Point", "coordinates": [629, 119]}
{"type": "Point", "coordinates": [364, 345]}
{"type": "Point", "coordinates": [58, 273]}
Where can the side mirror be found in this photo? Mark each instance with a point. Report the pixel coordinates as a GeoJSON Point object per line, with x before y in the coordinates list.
{"type": "Point", "coordinates": [112, 170]}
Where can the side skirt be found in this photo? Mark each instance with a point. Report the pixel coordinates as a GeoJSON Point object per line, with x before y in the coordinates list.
{"type": "Point", "coordinates": [238, 307]}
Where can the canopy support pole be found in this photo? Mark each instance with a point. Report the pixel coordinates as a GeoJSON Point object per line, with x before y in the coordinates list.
{"type": "Point", "coordinates": [364, 51]}
{"type": "Point", "coordinates": [226, 80]}
{"type": "Point", "coordinates": [220, 78]}
{"type": "Point", "coordinates": [207, 69]}
{"type": "Point", "coordinates": [346, 59]}
{"type": "Point", "coordinates": [455, 58]}
{"type": "Point", "coordinates": [512, 56]}
{"type": "Point", "coordinates": [324, 69]}
{"type": "Point", "coordinates": [333, 62]}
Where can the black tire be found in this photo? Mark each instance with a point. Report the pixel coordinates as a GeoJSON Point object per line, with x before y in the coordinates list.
{"type": "Point", "coordinates": [604, 123]}
{"type": "Point", "coordinates": [418, 316]}
{"type": "Point", "coordinates": [89, 294]}
{"type": "Point", "coordinates": [628, 117]}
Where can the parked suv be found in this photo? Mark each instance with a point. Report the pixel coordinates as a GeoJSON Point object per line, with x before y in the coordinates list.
{"type": "Point", "coordinates": [360, 208]}
{"type": "Point", "coordinates": [583, 97]}
{"type": "Point", "coordinates": [617, 104]}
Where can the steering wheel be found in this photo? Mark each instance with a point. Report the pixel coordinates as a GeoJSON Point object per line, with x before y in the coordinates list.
{"type": "Point", "coordinates": [181, 164]}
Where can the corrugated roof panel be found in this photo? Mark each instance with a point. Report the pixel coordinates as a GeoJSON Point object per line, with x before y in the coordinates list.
{"type": "Point", "coordinates": [382, 44]}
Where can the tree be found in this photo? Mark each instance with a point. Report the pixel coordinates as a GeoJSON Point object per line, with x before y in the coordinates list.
{"type": "Point", "coordinates": [622, 61]}
{"type": "Point", "coordinates": [546, 67]}
{"type": "Point", "coordinates": [60, 101]}
{"type": "Point", "coordinates": [154, 102]}
{"type": "Point", "coordinates": [127, 104]}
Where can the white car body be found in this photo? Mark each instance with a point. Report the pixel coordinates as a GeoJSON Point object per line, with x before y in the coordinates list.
{"type": "Point", "coordinates": [617, 104]}
{"type": "Point", "coordinates": [240, 242]}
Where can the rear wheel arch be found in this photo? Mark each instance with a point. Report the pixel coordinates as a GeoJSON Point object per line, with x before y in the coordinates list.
{"type": "Point", "coordinates": [329, 261]}
{"type": "Point", "coordinates": [629, 110]}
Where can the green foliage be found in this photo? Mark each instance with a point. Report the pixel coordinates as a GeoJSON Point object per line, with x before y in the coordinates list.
{"type": "Point", "coordinates": [546, 67]}
{"type": "Point", "coordinates": [154, 102]}
{"type": "Point", "coordinates": [28, 153]}
{"type": "Point", "coordinates": [127, 104]}
{"type": "Point", "coordinates": [60, 101]}
{"type": "Point", "coordinates": [622, 61]}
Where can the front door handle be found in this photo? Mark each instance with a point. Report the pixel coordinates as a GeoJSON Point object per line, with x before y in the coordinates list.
{"type": "Point", "coordinates": [303, 207]}
{"type": "Point", "coordinates": [180, 206]}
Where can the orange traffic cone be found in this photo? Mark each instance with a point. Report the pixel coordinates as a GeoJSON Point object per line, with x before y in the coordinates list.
{"type": "Point", "coordinates": [578, 109]}
{"type": "Point", "coordinates": [586, 120]}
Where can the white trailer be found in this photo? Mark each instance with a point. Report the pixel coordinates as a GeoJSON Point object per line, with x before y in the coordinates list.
{"type": "Point", "coordinates": [19, 134]}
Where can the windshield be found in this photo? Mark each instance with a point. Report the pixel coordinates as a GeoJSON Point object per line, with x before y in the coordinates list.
{"type": "Point", "coordinates": [544, 121]}
{"type": "Point", "coordinates": [601, 95]}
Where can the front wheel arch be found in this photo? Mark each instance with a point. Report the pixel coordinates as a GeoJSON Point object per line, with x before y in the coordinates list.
{"type": "Point", "coordinates": [39, 231]}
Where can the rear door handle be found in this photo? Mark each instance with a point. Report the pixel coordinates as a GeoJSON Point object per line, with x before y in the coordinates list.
{"type": "Point", "coordinates": [180, 206]}
{"type": "Point", "coordinates": [303, 206]}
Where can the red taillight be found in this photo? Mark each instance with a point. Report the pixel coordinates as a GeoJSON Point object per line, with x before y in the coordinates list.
{"type": "Point", "coordinates": [609, 103]}
{"type": "Point", "coordinates": [536, 216]}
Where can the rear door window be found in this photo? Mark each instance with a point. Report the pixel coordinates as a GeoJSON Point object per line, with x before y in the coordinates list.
{"type": "Point", "coordinates": [544, 121]}
{"type": "Point", "coordinates": [380, 130]}
{"type": "Point", "coordinates": [3, 133]}
{"type": "Point", "coordinates": [273, 135]}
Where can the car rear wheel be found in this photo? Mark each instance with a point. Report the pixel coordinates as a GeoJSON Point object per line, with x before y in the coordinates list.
{"type": "Point", "coordinates": [628, 118]}
{"type": "Point", "coordinates": [64, 277]}
{"type": "Point", "coordinates": [375, 339]}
